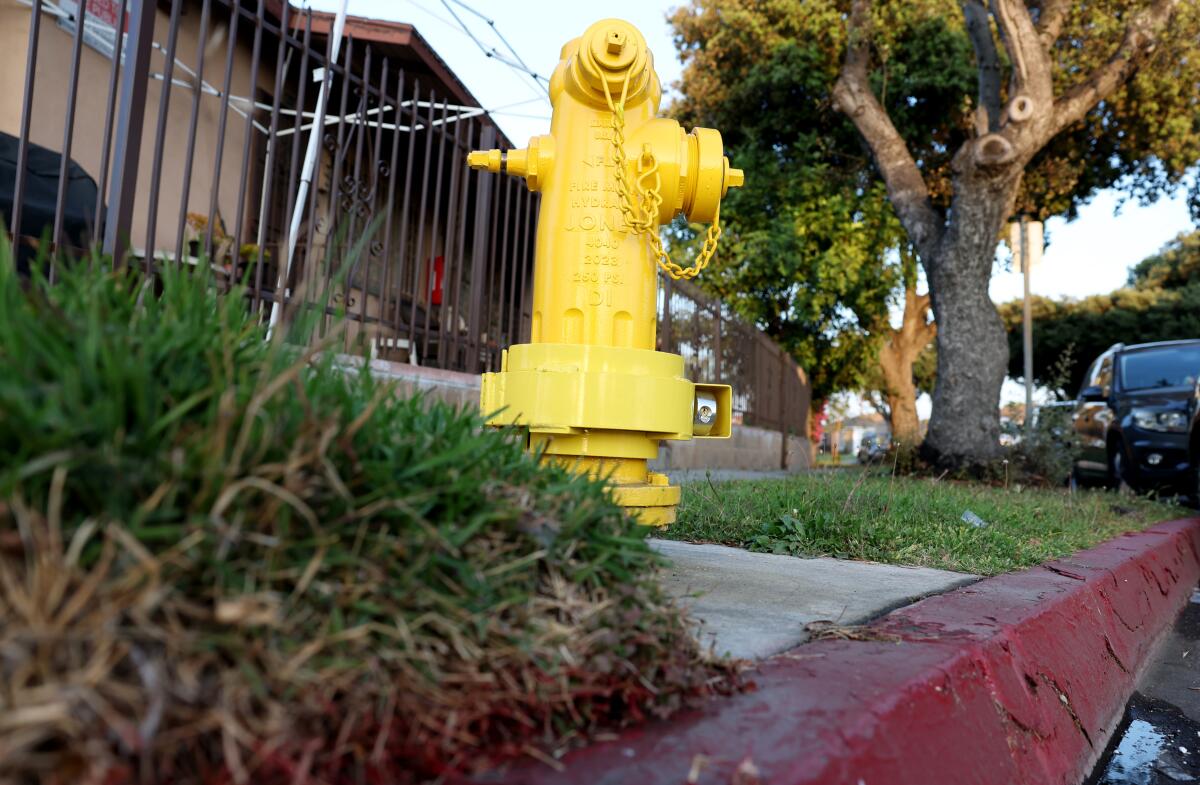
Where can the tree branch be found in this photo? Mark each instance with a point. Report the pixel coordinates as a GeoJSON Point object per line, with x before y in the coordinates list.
{"type": "Point", "coordinates": [987, 115]}
{"type": "Point", "coordinates": [852, 95]}
{"type": "Point", "coordinates": [1032, 73]}
{"type": "Point", "coordinates": [1140, 38]}
{"type": "Point", "coordinates": [1050, 20]}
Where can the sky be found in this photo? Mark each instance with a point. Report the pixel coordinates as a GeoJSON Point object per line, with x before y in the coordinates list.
{"type": "Point", "coordinates": [1089, 255]}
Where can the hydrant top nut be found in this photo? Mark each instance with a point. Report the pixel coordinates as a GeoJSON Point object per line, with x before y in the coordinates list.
{"type": "Point", "coordinates": [616, 42]}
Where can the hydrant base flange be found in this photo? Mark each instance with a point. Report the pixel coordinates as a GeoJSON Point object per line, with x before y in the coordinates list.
{"type": "Point", "coordinates": [652, 503]}
{"type": "Point", "coordinates": [565, 388]}
{"type": "Point", "coordinates": [602, 411]}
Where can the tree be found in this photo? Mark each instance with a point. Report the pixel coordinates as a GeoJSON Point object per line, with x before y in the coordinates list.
{"type": "Point", "coordinates": [899, 354]}
{"type": "Point", "coordinates": [1161, 303]}
{"type": "Point", "coordinates": [1097, 94]}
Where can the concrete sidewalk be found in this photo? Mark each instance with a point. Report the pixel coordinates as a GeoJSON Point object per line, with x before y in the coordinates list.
{"type": "Point", "coordinates": [753, 605]}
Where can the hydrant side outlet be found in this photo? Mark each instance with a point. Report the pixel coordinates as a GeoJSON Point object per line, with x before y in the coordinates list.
{"type": "Point", "coordinates": [590, 387]}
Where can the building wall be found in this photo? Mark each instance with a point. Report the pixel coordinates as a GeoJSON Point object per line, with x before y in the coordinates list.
{"type": "Point", "coordinates": [50, 106]}
{"type": "Point", "coordinates": [748, 448]}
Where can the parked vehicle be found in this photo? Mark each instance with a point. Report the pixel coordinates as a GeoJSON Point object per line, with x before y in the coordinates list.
{"type": "Point", "coordinates": [1134, 414]}
{"type": "Point", "coordinates": [872, 451]}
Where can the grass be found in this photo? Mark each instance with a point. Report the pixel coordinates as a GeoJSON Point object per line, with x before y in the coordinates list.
{"type": "Point", "coordinates": [871, 516]}
{"type": "Point", "coordinates": [224, 560]}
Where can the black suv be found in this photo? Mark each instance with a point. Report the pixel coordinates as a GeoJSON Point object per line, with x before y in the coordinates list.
{"type": "Point", "coordinates": [1134, 414]}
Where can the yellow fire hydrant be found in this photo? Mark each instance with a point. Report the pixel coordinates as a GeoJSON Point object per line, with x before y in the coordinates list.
{"type": "Point", "coordinates": [590, 387]}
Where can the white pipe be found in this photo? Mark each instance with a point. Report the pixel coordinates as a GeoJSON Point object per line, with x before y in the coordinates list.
{"type": "Point", "coordinates": [310, 162]}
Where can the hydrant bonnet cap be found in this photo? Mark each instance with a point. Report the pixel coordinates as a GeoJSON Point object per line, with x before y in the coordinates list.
{"type": "Point", "coordinates": [608, 50]}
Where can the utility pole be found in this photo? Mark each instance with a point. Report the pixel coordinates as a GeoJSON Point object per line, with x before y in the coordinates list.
{"type": "Point", "coordinates": [1027, 343]}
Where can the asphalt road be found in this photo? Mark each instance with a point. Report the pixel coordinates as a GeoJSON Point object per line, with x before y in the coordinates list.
{"type": "Point", "coordinates": [1158, 742]}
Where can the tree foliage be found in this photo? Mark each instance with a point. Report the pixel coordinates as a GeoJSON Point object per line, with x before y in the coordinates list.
{"type": "Point", "coordinates": [1160, 303]}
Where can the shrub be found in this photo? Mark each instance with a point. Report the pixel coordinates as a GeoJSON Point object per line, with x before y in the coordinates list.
{"type": "Point", "coordinates": [222, 558]}
{"type": "Point", "coordinates": [1045, 453]}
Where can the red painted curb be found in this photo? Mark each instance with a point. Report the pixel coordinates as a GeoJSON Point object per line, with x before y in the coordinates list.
{"type": "Point", "coordinates": [1020, 678]}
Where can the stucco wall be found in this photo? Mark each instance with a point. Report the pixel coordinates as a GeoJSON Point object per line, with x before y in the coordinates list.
{"type": "Point", "coordinates": [748, 447]}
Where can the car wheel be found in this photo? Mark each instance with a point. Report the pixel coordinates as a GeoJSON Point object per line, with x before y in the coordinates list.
{"type": "Point", "coordinates": [1116, 472]}
{"type": "Point", "coordinates": [1191, 485]}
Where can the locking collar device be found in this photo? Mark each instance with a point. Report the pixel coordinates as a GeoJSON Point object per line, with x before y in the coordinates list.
{"type": "Point", "coordinates": [590, 388]}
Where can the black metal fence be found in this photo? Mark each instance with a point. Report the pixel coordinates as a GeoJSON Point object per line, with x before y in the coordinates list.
{"type": "Point", "coordinates": [207, 111]}
{"type": "Point", "coordinates": [176, 133]}
{"type": "Point", "coordinates": [769, 389]}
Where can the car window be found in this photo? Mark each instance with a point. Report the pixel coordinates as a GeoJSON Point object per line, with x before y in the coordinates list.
{"type": "Point", "coordinates": [1089, 377]}
{"type": "Point", "coordinates": [1170, 366]}
{"type": "Point", "coordinates": [1103, 378]}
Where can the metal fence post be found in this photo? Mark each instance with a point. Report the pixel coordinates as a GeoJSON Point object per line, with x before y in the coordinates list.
{"type": "Point", "coordinates": [667, 337]}
{"type": "Point", "coordinates": [35, 26]}
{"type": "Point", "coordinates": [783, 428]}
{"type": "Point", "coordinates": [480, 252]}
{"type": "Point", "coordinates": [717, 342]}
{"type": "Point", "coordinates": [131, 113]}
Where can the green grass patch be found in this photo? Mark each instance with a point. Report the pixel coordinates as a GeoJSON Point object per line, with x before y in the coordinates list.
{"type": "Point", "coordinates": [224, 559]}
{"type": "Point", "coordinates": [902, 520]}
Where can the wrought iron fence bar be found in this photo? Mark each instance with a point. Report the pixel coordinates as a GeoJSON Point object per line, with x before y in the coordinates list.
{"type": "Point", "coordinates": [130, 117]}
{"type": "Point", "coordinates": [505, 258]}
{"type": "Point", "coordinates": [427, 293]}
{"type": "Point", "coordinates": [282, 61]}
{"type": "Point", "coordinates": [35, 26]}
{"type": "Point", "coordinates": [406, 221]}
{"type": "Point", "coordinates": [302, 77]}
{"type": "Point", "coordinates": [480, 249]}
{"type": "Point", "coordinates": [512, 335]}
{"type": "Point", "coordinates": [393, 174]}
{"type": "Point", "coordinates": [492, 216]}
{"type": "Point", "coordinates": [376, 174]}
{"type": "Point", "coordinates": [419, 249]}
{"type": "Point", "coordinates": [64, 159]}
{"type": "Point", "coordinates": [223, 117]}
{"type": "Point", "coordinates": [160, 131]}
{"type": "Point", "coordinates": [531, 207]}
{"type": "Point", "coordinates": [106, 136]}
{"type": "Point", "coordinates": [189, 156]}
{"type": "Point", "coordinates": [354, 203]}
{"type": "Point", "coordinates": [460, 253]}
{"type": "Point", "coordinates": [354, 184]}
{"type": "Point", "coordinates": [446, 313]}
{"type": "Point", "coordinates": [332, 227]}
{"type": "Point", "coordinates": [247, 138]}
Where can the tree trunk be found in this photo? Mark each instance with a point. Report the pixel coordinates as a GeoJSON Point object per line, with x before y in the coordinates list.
{"type": "Point", "coordinates": [896, 359]}
{"type": "Point", "coordinates": [972, 347]}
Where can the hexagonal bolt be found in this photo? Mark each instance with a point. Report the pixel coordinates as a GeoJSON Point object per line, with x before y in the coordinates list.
{"type": "Point", "coordinates": [616, 42]}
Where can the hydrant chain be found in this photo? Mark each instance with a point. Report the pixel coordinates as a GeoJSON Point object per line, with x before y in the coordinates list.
{"type": "Point", "coordinates": [646, 222]}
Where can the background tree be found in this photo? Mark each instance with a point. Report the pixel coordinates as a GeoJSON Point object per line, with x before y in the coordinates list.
{"type": "Point", "coordinates": [1161, 303]}
{"type": "Point", "coordinates": [907, 360]}
{"type": "Point", "coordinates": [1097, 94]}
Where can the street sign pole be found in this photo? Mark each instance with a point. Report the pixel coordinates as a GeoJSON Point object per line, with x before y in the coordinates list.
{"type": "Point", "coordinates": [1027, 344]}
